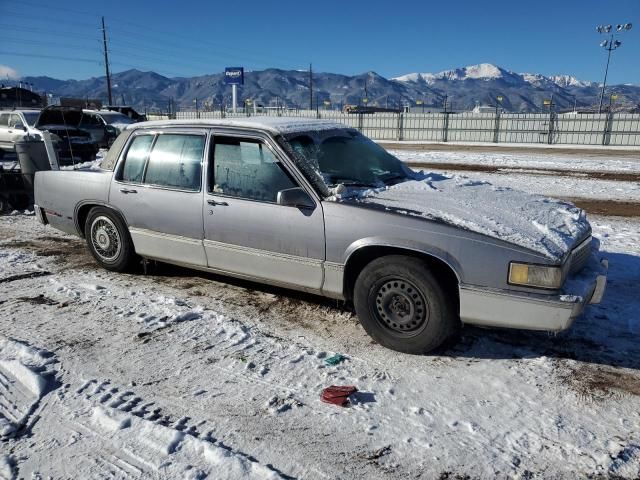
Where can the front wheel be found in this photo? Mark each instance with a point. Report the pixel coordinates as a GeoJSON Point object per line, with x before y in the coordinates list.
{"type": "Point", "coordinates": [402, 306]}
{"type": "Point", "coordinates": [108, 240]}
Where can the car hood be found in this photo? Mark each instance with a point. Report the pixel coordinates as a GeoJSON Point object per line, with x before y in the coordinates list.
{"type": "Point", "coordinates": [547, 226]}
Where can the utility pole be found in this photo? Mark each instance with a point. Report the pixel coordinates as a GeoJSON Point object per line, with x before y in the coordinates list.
{"type": "Point", "coordinates": [310, 88]}
{"type": "Point", "coordinates": [106, 61]}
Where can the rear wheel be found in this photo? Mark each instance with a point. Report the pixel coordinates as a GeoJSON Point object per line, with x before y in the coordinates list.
{"type": "Point", "coordinates": [108, 240]}
{"type": "Point", "coordinates": [402, 305]}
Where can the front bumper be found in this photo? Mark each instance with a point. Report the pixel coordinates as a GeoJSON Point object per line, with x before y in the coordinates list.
{"type": "Point", "coordinates": [502, 308]}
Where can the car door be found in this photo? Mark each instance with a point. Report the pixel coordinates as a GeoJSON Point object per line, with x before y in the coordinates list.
{"type": "Point", "coordinates": [158, 188]}
{"type": "Point", "coordinates": [5, 143]}
{"type": "Point", "coordinates": [15, 131]}
{"type": "Point", "coordinates": [246, 232]}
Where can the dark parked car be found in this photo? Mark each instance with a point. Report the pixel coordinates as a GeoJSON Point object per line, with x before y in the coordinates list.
{"type": "Point", "coordinates": [74, 142]}
{"type": "Point", "coordinates": [117, 120]}
{"type": "Point", "coordinates": [101, 130]}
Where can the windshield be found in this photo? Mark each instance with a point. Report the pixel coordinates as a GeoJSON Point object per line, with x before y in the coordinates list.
{"type": "Point", "coordinates": [345, 156]}
{"type": "Point", "coordinates": [115, 117]}
{"type": "Point", "coordinates": [31, 117]}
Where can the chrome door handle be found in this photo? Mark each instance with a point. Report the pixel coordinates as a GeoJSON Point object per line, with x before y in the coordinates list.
{"type": "Point", "coordinates": [220, 204]}
{"type": "Point", "coordinates": [127, 190]}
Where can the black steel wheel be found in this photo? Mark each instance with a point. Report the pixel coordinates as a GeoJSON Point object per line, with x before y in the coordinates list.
{"type": "Point", "coordinates": [399, 306]}
{"type": "Point", "coordinates": [402, 305]}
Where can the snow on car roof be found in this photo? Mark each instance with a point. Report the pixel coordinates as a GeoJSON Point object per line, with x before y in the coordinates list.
{"type": "Point", "coordinates": [276, 125]}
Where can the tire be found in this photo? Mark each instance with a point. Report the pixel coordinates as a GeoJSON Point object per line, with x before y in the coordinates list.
{"type": "Point", "coordinates": [402, 306]}
{"type": "Point", "coordinates": [108, 240]}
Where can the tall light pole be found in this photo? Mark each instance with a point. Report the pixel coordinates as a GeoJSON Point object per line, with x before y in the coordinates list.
{"type": "Point", "coordinates": [609, 45]}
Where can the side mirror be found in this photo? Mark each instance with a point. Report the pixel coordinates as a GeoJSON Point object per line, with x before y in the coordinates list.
{"type": "Point", "coordinates": [111, 130]}
{"type": "Point", "coordinates": [295, 197]}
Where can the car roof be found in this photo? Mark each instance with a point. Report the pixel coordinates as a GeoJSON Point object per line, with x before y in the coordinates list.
{"type": "Point", "coordinates": [21, 110]}
{"type": "Point", "coordinates": [275, 125]}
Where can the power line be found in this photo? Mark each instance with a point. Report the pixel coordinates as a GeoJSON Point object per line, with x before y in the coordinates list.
{"type": "Point", "coordinates": [52, 57]}
{"type": "Point", "coordinates": [20, 41]}
{"type": "Point", "coordinates": [47, 20]}
{"type": "Point", "coordinates": [160, 36]}
{"type": "Point", "coordinates": [43, 31]}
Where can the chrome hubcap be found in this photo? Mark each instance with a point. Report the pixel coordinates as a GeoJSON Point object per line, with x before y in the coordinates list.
{"type": "Point", "coordinates": [400, 306]}
{"type": "Point", "coordinates": [105, 239]}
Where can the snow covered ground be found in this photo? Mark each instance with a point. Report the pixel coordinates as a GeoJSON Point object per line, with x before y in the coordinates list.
{"type": "Point", "coordinates": [180, 374]}
{"type": "Point", "coordinates": [537, 173]}
{"type": "Point", "coordinates": [575, 162]}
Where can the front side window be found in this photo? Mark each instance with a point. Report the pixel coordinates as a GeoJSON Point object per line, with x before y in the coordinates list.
{"type": "Point", "coordinates": [136, 159]}
{"type": "Point", "coordinates": [176, 161]}
{"type": "Point", "coordinates": [31, 117]}
{"type": "Point", "coordinates": [15, 120]}
{"type": "Point", "coordinates": [247, 168]}
{"type": "Point", "coordinates": [90, 121]}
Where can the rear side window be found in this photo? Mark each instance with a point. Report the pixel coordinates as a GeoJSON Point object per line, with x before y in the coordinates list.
{"type": "Point", "coordinates": [176, 161]}
{"type": "Point", "coordinates": [4, 119]}
{"type": "Point", "coordinates": [133, 170]}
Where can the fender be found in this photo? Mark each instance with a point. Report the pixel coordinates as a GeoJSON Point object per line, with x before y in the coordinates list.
{"type": "Point", "coordinates": [405, 244]}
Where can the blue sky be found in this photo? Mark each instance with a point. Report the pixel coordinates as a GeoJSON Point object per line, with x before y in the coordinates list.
{"type": "Point", "coordinates": [390, 37]}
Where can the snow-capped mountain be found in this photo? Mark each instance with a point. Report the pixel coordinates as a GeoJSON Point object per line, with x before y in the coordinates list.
{"type": "Point", "coordinates": [521, 92]}
{"type": "Point", "coordinates": [461, 88]}
{"type": "Point", "coordinates": [490, 72]}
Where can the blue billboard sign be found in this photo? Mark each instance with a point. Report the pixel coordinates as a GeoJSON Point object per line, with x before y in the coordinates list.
{"type": "Point", "coordinates": [234, 76]}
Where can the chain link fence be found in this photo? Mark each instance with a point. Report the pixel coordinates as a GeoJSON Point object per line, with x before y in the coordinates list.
{"type": "Point", "coordinates": [621, 129]}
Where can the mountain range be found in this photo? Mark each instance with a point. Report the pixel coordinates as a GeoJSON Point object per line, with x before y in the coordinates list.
{"type": "Point", "coordinates": [461, 88]}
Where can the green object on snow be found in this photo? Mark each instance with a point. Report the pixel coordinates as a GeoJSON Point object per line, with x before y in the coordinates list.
{"type": "Point", "coordinates": [335, 360]}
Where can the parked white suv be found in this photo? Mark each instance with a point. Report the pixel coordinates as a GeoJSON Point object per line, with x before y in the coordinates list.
{"type": "Point", "coordinates": [16, 125]}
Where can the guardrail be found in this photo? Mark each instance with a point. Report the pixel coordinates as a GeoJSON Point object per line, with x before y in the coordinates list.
{"type": "Point", "coordinates": [621, 129]}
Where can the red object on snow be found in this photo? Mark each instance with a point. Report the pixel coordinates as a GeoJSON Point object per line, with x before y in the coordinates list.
{"type": "Point", "coordinates": [338, 395]}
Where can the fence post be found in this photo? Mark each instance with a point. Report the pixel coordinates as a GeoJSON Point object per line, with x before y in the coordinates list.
{"type": "Point", "coordinates": [360, 122]}
{"type": "Point", "coordinates": [606, 134]}
{"type": "Point", "coordinates": [400, 132]}
{"type": "Point", "coordinates": [496, 128]}
{"type": "Point", "coordinates": [552, 117]}
{"type": "Point", "coordinates": [445, 127]}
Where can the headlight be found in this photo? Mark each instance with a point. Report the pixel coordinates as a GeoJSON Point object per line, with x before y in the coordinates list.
{"type": "Point", "coordinates": [540, 276]}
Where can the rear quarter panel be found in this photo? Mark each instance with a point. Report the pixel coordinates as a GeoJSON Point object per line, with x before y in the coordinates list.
{"type": "Point", "coordinates": [60, 193]}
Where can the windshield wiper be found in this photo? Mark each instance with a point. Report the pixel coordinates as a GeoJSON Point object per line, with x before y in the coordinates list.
{"type": "Point", "coordinates": [394, 178]}
{"type": "Point", "coordinates": [349, 182]}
